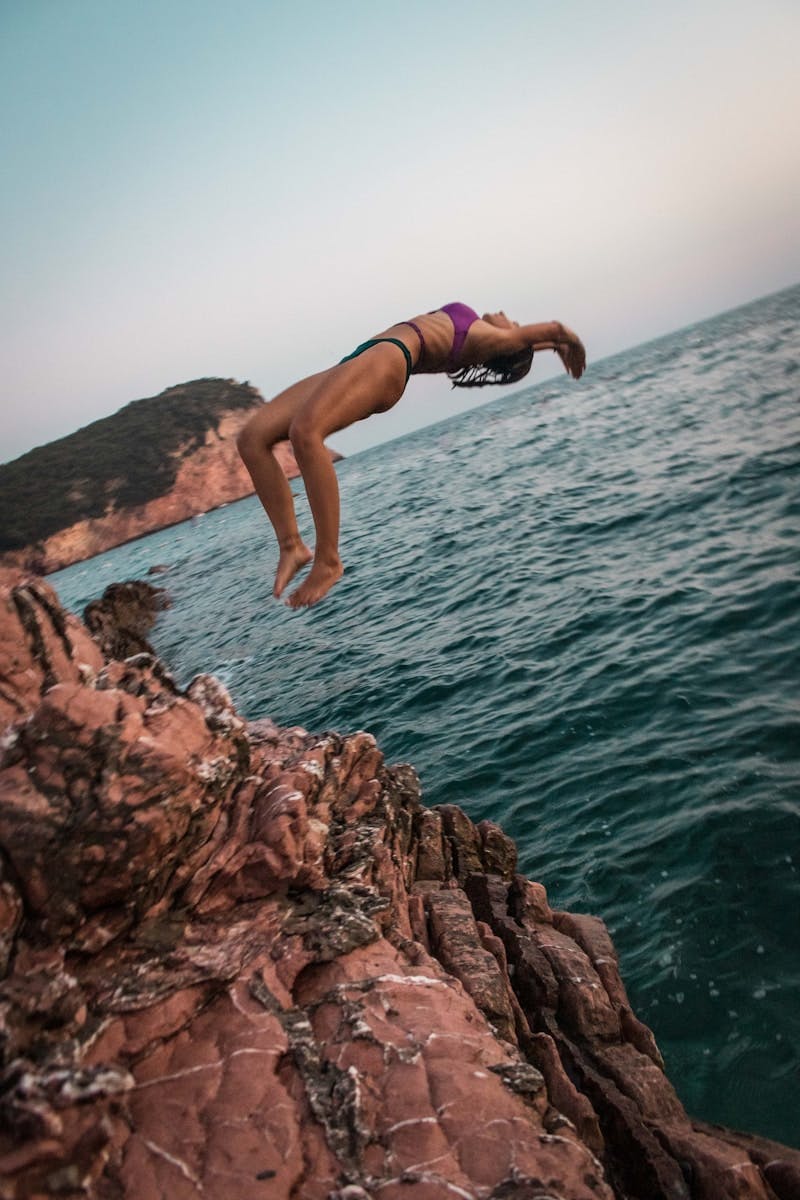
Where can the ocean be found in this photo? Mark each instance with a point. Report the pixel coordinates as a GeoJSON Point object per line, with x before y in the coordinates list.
{"type": "Point", "coordinates": [575, 610]}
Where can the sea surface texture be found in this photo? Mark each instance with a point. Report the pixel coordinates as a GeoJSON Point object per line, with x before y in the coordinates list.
{"type": "Point", "coordinates": [575, 610]}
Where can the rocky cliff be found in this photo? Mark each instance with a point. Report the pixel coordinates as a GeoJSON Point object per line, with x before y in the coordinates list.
{"type": "Point", "coordinates": [156, 462]}
{"type": "Point", "coordinates": [242, 961]}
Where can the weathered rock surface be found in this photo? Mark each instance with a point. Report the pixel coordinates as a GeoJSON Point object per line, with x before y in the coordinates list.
{"type": "Point", "coordinates": [124, 615]}
{"type": "Point", "coordinates": [242, 961]}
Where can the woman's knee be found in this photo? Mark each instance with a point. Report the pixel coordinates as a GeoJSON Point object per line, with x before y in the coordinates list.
{"type": "Point", "coordinates": [256, 438]}
{"type": "Point", "coordinates": [304, 433]}
{"type": "Point", "coordinates": [248, 443]}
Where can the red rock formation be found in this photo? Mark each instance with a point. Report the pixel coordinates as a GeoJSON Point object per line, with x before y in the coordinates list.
{"type": "Point", "coordinates": [242, 961]}
{"type": "Point", "coordinates": [208, 477]}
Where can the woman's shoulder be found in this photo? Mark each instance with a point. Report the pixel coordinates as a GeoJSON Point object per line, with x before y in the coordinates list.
{"type": "Point", "coordinates": [487, 337]}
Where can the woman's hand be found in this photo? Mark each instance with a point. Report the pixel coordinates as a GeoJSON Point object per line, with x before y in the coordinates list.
{"type": "Point", "coordinates": [570, 350]}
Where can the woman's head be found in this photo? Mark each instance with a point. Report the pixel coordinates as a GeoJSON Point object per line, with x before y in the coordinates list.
{"type": "Point", "coordinates": [507, 368]}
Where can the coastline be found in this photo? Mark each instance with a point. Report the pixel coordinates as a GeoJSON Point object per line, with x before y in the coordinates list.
{"type": "Point", "coordinates": [153, 464]}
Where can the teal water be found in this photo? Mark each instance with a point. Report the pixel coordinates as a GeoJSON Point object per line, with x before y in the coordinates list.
{"type": "Point", "coordinates": [575, 611]}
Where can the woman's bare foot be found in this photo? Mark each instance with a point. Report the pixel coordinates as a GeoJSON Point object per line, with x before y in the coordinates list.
{"type": "Point", "coordinates": [321, 578]}
{"type": "Point", "coordinates": [293, 558]}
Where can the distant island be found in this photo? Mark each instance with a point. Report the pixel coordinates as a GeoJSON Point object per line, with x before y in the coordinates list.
{"type": "Point", "coordinates": [154, 463]}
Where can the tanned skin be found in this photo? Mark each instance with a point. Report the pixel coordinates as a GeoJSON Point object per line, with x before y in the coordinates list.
{"type": "Point", "coordinates": [310, 411]}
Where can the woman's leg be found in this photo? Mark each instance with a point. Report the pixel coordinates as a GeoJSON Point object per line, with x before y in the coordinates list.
{"type": "Point", "coordinates": [268, 426]}
{"type": "Point", "coordinates": [354, 390]}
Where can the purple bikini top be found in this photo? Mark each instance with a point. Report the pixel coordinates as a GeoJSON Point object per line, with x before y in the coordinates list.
{"type": "Point", "coordinates": [462, 317]}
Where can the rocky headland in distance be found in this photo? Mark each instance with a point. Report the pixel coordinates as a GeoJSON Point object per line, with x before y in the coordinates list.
{"type": "Point", "coordinates": [242, 961]}
{"type": "Point", "coordinates": [156, 462]}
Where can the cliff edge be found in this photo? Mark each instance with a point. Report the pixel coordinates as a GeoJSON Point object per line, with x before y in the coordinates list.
{"type": "Point", "coordinates": [244, 961]}
{"type": "Point", "coordinates": [154, 463]}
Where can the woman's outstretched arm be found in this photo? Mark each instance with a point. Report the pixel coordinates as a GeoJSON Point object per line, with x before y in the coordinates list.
{"type": "Point", "coordinates": [494, 336]}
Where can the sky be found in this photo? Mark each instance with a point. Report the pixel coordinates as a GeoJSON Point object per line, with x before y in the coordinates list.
{"type": "Point", "coordinates": [251, 189]}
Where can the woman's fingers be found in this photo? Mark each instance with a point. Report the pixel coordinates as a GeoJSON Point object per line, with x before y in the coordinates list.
{"type": "Point", "coordinates": [572, 357]}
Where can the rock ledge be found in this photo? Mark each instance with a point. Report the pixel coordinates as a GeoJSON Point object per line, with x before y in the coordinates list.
{"type": "Point", "coordinates": [244, 961]}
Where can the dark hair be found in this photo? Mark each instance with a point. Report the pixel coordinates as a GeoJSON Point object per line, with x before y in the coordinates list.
{"type": "Point", "coordinates": [508, 368]}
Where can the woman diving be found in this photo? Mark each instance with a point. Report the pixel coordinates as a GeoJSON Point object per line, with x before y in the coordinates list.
{"type": "Point", "coordinates": [473, 351]}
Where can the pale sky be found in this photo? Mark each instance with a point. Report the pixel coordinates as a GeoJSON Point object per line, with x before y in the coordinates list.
{"type": "Point", "coordinates": [251, 188]}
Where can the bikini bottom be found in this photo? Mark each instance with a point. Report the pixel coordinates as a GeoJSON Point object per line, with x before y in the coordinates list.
{"type": "Point", "coordinates": [376, 342]}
